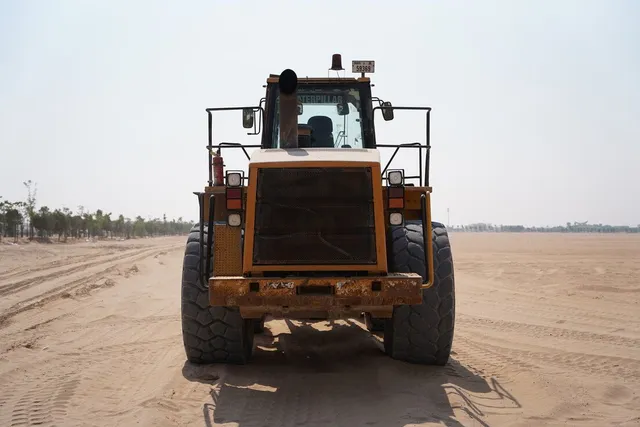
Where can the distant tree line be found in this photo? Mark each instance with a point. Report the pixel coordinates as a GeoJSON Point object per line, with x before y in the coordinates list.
{"type": "Point", "coordinates": [576, 227]}
{"type": "Point", "coordinates": [23, 219]}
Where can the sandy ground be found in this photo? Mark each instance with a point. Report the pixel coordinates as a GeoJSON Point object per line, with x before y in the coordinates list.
{"type": "Point", "coordinates": [547, 333]}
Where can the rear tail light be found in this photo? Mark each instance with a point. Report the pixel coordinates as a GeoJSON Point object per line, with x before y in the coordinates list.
{"type": "Point", "coordinates": [395, 189]}
{"type": "Point", "coordinates": [234, 179]}
{"type": "Point", "coordinates": [396, 203]}
{"type": "Point", "coordinates": [234, 193]}
{"type": "Point", "coordinates": [395, 196]}
{"type": "Point", "coordinates": [234, 197]}
{"type": "Point", "coordinates": [234, 204]}
{"type": "Point", "coordinates": [234, 219]}
{"type": "Point", "coordinates": [395, 177]}
{"type": "Point", "coordinates": [396, 218]}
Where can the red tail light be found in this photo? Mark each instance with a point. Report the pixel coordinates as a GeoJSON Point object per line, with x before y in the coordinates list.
{"type": "Point", "coordinates": [395, 197]}
{"type": "Point", "coordinates": [234, 199]}
{"type": "Point", "coordinates": [234, 193]}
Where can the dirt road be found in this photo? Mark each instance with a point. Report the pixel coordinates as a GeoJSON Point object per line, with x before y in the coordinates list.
{"type": "Point", "coordinates": [547, 333]}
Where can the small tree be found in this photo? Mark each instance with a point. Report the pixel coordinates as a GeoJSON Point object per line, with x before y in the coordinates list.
{"type": "Point", "coordinates": [30, 206]}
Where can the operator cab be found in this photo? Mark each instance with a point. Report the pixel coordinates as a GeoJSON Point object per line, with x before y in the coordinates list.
{"type": "Point", "coordinates": [333, 112]}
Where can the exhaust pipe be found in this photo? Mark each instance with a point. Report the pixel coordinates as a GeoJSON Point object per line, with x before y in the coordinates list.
{"type": "Point", "coordinates": [288, 83]}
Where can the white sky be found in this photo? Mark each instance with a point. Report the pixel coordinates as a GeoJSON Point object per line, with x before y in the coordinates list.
{"type": "Point", "coordinates": [536, 103]}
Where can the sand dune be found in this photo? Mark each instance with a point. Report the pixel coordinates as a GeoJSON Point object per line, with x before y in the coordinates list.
{"type": "Point", "coordinates": [547, 333]}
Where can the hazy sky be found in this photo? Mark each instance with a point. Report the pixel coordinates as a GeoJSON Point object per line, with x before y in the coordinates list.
{"type": "Point", "coordinates": [536, 103]}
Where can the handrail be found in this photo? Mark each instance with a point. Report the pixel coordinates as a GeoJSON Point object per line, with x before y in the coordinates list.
{"type": "Point", "coordinates": [211, 146]}
{"type": "Point", "coordinates": [417, 145]}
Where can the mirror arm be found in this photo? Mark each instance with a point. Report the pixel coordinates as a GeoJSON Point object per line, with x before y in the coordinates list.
{"type": "Point", "coordinates": [254, 121]}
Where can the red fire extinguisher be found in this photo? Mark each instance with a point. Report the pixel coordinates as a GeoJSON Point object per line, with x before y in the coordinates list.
{"type": "Point", "coordinates": [218, 169]}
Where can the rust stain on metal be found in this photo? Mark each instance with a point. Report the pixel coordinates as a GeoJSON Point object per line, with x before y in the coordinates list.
{"type": "Point", "coordinates": [343, 283]}
{"type": "Point", "coordinates": [330, 294]}
{"type": "Point", "coordinates": [277, 285]}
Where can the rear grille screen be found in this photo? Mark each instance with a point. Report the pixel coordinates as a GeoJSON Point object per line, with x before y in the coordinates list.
{"type": "Point", "coordinates": [314, 216]}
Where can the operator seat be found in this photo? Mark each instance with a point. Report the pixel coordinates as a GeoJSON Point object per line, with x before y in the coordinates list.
{"type": "Point", "coordinates": [322, 131]}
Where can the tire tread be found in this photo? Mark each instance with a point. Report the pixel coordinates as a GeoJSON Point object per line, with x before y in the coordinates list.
{"type": "Point", "coordinates": [422, 333]}
{"type": "Point", "coordinates": [210, 334]}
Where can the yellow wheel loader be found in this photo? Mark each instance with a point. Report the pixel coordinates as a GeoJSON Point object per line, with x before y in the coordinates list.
{"type": "Point", "coordinates": [317, 228]}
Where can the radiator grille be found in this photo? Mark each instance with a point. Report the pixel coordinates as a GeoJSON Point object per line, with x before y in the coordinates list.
{"type": "Point", "coordinates": [314, 216]}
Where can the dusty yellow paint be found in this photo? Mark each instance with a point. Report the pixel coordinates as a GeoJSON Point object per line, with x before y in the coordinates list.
{"type": "Point", "coordinates": [227, 252]}
{"type": "Point", "coordinates": [381, 238]}
{"type": "Point", "coordinates": [412, 211]}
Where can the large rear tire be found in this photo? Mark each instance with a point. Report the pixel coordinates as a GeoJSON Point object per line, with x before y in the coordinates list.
{"type": "Point", "coordinates": [210, 334]}
{"type": "Point", "coordinates": [422, 333]}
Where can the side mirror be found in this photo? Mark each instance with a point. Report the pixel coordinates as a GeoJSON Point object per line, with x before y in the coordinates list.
{"type": "Point", "coordinates": [387, 111]}
{"type": "Point", "coordinates": [343, 109]}
{"type": "Point", "coordinates": [247, 118]}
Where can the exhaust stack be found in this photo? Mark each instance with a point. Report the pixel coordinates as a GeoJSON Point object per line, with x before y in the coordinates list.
{"type": "Point", "coordinates": [288, 84]}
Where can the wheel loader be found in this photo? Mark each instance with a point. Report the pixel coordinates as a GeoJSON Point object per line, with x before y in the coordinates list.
{"type": "Point", "coordinates": [317, 228]}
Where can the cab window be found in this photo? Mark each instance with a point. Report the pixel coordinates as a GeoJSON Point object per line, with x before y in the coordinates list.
{"type": "Point", "coordinates": [334, 117]}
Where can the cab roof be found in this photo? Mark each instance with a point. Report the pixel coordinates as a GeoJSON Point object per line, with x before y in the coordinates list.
{"type": "Point", "coordinates": [281, 155]}
{"type": "Point", "coordinates": [273, 78]}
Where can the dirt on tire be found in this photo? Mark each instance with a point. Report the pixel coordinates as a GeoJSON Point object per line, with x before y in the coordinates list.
{"type": "Point", "coordinates": [422, 333]}
{"type": "Point", "coordinates": [210, 334]}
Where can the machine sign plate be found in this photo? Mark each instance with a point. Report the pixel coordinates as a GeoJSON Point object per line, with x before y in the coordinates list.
{"type": "Point", "coordinates": [363, 66]}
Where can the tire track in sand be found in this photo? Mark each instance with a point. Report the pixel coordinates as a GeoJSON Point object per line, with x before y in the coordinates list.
{"type": "Point", "coordinates": [500, 356]}
{"type": "Point", "coordinates": [43, 393]}
{"type": "Point", "coordinates": [545, 308]}
{"type": "Point", "coordinates": [24, 284]}
{"type": "Point", "coordinates": [73, 259]}
{"type": "Point", "coordinates": [62, 290]}
{"type": "Point", "coordinates": [543, 331]}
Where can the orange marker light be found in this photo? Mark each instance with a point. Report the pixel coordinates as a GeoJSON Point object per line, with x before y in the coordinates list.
{"type": "Point", "coordinates": [234, 204]}
{"type": "Point", "coordinates": [396, 203]}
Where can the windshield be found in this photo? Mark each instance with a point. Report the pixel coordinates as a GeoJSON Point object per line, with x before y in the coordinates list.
{"type": "Point", "coordinates": [333, 115]}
